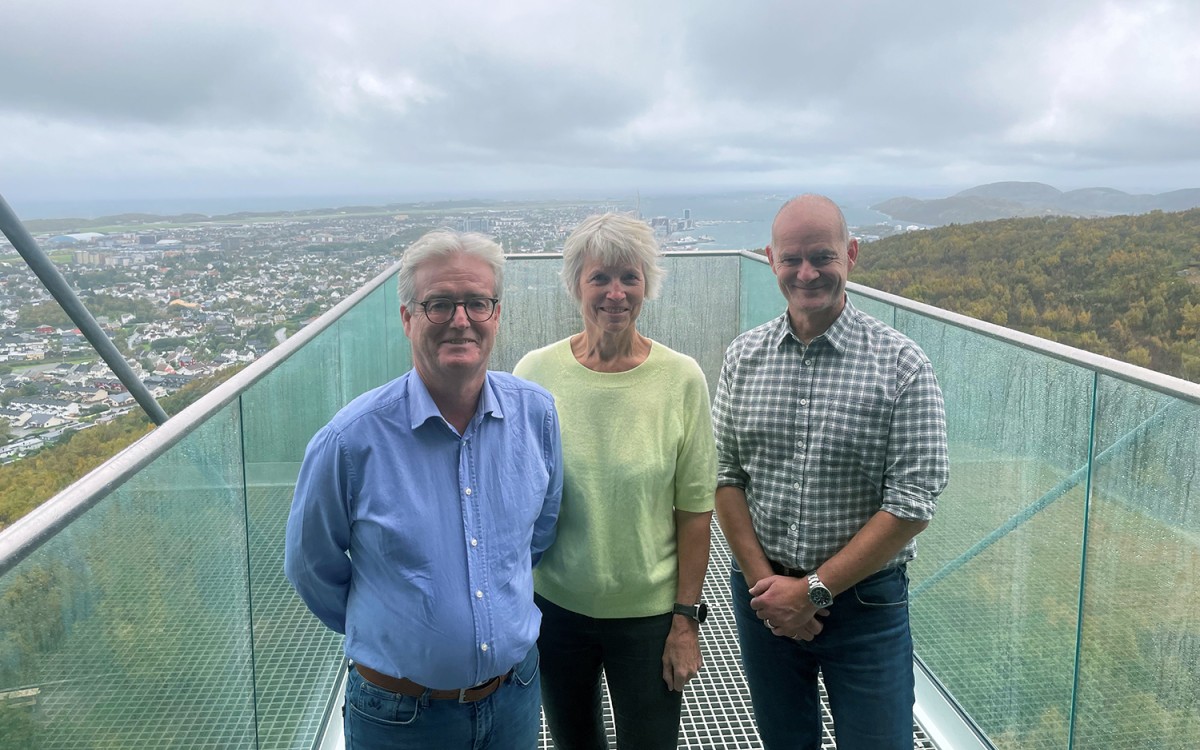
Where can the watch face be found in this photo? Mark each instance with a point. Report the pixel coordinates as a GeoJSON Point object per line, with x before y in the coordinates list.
{"type": "Point", "coordinates": [820, 597]}
{"type": "Point", "coordinates": [818, 594]}
{"type": "Point", "coordinates": [701, 612]}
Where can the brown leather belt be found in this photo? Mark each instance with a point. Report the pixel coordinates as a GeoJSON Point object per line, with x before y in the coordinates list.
{"type": "Point", "coordinates": [783, 570]}
{"type": "Point", "coordinates": [405, 686]}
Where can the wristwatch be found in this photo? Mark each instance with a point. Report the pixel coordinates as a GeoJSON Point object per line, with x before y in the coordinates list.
{"type": "Point", "coordinates": [697, 612]}
{"type": "Point", "coordinates": [818, 594]}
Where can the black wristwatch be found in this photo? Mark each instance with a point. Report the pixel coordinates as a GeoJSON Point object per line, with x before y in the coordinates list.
{"type": "Point", "coordinates": [697, 612]}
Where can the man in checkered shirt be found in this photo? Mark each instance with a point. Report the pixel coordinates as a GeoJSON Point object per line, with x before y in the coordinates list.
{"type": "Point", "coordinates": [831, 449]}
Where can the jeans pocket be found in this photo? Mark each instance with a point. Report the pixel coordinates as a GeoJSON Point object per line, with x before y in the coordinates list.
{"type": "Point", "coordinates": [527, 671]}
{"type": "Point", "coordinates": [886, 589]}
{"type": "Point", "coordinates": [373, 704]}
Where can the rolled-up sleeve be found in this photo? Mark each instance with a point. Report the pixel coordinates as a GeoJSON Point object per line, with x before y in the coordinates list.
{"type": "Point", "coordinates": [917, 465]}
{"type": "Point", "coordinates": [730, 471]}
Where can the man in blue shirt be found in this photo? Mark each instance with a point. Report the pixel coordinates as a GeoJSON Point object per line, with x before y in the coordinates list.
{"type": "Point", "coordinates": [419, 513]}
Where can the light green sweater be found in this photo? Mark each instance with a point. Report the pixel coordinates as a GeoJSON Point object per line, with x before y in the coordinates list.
{"type": "Point", "coordinates": [637, 445]}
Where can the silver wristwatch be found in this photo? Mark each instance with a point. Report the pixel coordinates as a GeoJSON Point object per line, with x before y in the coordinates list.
{"type": "Point", "coordinates": [818, 594]}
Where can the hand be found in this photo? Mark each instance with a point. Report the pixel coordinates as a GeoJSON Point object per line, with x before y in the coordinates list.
{"type": "Point", "coordinates": [681, 656]}
{"type": "Point", "coordinates": [782, 604]}
{"type": "Point", "coordinates": [808, 630]}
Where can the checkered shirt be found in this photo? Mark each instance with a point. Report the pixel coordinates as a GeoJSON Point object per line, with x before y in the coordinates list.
{"type": "Point", "coordinates": [821, 437]}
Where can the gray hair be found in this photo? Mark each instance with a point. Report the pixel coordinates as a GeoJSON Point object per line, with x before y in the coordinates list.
{"type": "Point", "coordinates": [612, 239]}
{"type": "Point", "coordinates": [442, 243]}
{"type": "Point", "coordinates": [814, 198]}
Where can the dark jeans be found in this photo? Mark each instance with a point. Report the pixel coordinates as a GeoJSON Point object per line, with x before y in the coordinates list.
{"type": "Point", "coordinates": [865, 655]}
{"type": "Point", "coordinates": [575, 649]}
{"type": "Point", "coordinates": [508, 719]}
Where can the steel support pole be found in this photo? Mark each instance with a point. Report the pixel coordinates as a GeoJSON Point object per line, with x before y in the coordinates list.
{"type": "Point", "coordinates": [53, 280]}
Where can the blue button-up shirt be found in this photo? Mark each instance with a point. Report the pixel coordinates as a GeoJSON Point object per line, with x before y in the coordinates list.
{"type": "Point", "coordinates": [417, 542]}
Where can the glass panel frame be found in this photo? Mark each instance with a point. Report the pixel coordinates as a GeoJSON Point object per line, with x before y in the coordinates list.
{"type": "Point", "coordinates": [1139, 668]}
{"type": "Point", "coordinates": [996, 582]}
{"type": "Point", "coordinates": [141, 628]}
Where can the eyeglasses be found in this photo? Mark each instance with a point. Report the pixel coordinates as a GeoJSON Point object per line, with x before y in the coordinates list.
{"type": "Point", "coordinates": [440, 310]}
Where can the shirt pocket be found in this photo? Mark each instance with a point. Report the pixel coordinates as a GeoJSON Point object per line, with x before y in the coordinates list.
{"type": "Point", "coordinates": [855, 433]}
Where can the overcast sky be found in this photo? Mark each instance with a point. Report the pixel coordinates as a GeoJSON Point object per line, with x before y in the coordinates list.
{"type": "Point", "coordinates": [202, 98]}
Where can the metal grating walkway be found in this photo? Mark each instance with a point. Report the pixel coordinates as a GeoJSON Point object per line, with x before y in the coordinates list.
{"type": "Point", "coordinates": [716, 707]}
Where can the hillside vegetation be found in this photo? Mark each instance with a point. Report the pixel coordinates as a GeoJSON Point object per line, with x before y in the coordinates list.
{"type": "Point", "coordinates": [27, 483]}
{"type": "Point", "coordinates": [1127, 287]}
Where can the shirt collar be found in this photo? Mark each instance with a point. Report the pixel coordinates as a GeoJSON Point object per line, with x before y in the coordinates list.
{"type": "Point", "coordinates": [838, 334]}
{"type": "Point", "coordinates": [422, 408]}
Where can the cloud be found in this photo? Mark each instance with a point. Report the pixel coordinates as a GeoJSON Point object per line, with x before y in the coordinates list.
{"type": "Point", "coordinates": [1121, 83]}
{"type": "Point", "coordinates": [155, 63]}
{"type": "Point", "coordinates": [194, 95]}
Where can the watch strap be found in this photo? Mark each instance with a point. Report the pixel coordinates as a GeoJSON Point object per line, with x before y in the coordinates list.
{"type": "Point", "coordinates": [690, 611]}
{"type": "Point", "coordinates": [818, 593]}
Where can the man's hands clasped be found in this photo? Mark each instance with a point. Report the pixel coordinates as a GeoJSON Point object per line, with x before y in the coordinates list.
{"type": "Point", "coordinates": [783, 606]}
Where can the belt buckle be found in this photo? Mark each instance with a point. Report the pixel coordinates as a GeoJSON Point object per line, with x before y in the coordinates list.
{"type": "Point", "coordinates": [462, 692]}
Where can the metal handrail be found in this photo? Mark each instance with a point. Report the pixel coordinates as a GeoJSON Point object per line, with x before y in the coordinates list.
{"type": "Point", "coordinates": [29, 532]}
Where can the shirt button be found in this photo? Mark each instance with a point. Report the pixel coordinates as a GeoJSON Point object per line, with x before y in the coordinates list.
{"type": "Point", "coordinates": [474, 542]}
{"type": "Point", "coordinates": [478, 594]}
{"type": "Point", "coordinates": [799, 443]}
{"type": "Point", "coordinates": [467, 491]}
{"type": "Point", "coordinates": [795, 526]}
{"type": "Point", "coordinates": [795, 485]}
{"type": "Point", "coordinates": [483, 647]}
{"type": "Point", "coordinates": [808, 361]}
{"type": "Point", "coordinates": [804, 402]}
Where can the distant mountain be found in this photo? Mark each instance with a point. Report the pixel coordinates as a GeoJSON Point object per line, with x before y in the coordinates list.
{"type": "Point", "coordinates": [1015, 200]}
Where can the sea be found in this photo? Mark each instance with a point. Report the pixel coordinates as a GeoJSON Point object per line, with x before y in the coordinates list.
{"type": "Point", "coordinates": [737, 221]}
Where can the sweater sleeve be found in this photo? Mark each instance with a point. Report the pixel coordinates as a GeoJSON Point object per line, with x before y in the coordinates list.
{"type": "Point", "coordinates": [696, 464]}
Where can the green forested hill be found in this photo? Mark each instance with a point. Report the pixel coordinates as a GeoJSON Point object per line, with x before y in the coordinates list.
{"type": "Point", "coordinates": [27, 483]}
{"type": "Point", "coordinates": [1127, 287]}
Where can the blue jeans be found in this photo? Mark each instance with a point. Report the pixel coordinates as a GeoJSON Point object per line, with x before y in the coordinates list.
{"type": "Point", "coordinates": [508, 719]}
{"type": "Point", "coordinates": [575, 649]}
{"type": "Point", "coordinates": [865, 654]}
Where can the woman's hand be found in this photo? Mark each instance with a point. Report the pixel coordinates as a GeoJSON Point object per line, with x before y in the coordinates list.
{"type": "Point", "coordinates": [681, 657]}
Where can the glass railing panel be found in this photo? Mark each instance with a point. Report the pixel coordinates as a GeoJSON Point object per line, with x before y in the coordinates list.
{"type": "Point", "coordinates": [131, 628]}
{"type": "Point", "coordinates": [364, 335]}
{"type": "Point", "coordinates": [696, 313]}
{"type": "Point", "coordinates": [536, 310]}
{"type": "Point", "coordinates": [876, 309]}
{"type": "Point", "coordinates": [995, 586]}
{"type": "Point", "coordinates": [284, 410]}
{"type": "Point", "coordinates": [1139, 678]}
{"type": "Point", "coordinates": [296, 657]}
{"type": "Point", "coordinates": [399, 353]}
{"type": "Point", "coordinates": [759, 296]}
